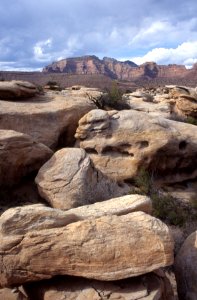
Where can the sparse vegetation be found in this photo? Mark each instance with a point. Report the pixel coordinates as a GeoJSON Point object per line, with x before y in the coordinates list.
{"type": "Point", "coordinates": [191, 120]}
{"type": "Point", "coordinates": [111, 98]}
{"type": "Point", "coordinates": [165, 207]}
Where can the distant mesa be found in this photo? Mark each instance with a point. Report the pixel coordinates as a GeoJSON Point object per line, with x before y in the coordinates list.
{"type": "Point", "coordinates": [115, 69]}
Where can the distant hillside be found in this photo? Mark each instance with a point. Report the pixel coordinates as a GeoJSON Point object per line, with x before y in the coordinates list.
{"type": "Point", "coordinates": [115, 69]}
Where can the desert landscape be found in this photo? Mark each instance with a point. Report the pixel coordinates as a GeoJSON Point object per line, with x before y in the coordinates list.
{"type": "Point", "coordinates": [98, 194]}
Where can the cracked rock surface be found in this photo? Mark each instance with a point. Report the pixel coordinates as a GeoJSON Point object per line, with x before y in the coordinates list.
{"type": "Point", "coordinates": [69, 179]}
{"type": "Point", "coordinates": [106, 248]}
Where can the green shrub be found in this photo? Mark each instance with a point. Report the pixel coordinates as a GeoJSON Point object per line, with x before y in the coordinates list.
{"type": "Point", "coordinates": [165, 207]}
{"type": "Point", "coordinates": [191, 120]}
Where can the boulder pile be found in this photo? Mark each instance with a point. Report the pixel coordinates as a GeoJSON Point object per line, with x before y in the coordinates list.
{"type": "Point", "coordinates": [93, 237]}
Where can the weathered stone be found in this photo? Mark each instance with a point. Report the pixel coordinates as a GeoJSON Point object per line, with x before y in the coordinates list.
{"type": "Point", "coordinates": [106, 248]}
{"type": "Point", "coordinates": [17, 89]}
{"type": "Point", "coordinates": [38, 216]}
{"type": "Point", "coordinates": [19, 156]}
{"type": "Point", "coordinates": [121, 143]}
{"type": "Point", "coordinates": [50, 119]}
{"type": "Point", "coordinates": [186, 268]}
{"type": "Point", "coordinates": [69, 179]}
{"type": "Point", "coordinates": [147, 287]}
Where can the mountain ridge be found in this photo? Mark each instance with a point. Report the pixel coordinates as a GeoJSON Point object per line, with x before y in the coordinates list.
{"type": "Point", "coordinates": [120, 70]}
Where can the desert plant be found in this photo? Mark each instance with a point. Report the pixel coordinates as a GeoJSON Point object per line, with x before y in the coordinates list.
{"type": "Point", "coordinates": [191, 120]}
{"type": "Point", "coordinates": [165, 207]}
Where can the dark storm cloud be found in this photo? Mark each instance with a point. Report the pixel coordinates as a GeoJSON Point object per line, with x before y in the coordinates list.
{"type": "Point", "coordinates": [35, 32]}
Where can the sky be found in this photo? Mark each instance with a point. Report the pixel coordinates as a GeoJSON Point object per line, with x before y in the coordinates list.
{"type": "Point", "coordinates": [34, 33]}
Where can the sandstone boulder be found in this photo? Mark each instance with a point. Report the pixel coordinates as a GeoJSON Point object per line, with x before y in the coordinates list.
{"type": "Point", "coordinates": [106, 248]}
{"type": "Point", "coordinates": [186, 268]}
{"type": "Point", "coordinates": [38, 216]}
{"type": "Point", "coordinates": [19, 156]}
{"type": "Point", "coordinates": [121, 143]}
{"type": "Point", "coordinates": [186, 100]}
{"type": "Point", "coordinates": [69, 179]}
{"type": "Point", "coordinates": [50, 119]}
{"type": "Point", "coordinates": [147, 287]}
{"type": "Point", "coordinates": [16, 89]}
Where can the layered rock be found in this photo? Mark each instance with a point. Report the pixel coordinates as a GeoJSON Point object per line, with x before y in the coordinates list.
{"type": "Point", "coordinates": [186, 268]}
{"type": "Point", "coordinates": [69, 179]}
{"type": "Point", "coordinates": [19, 156]}
{"type": "Point", "coordinates": [121, 143]}
{"type": "Point", "coordinates": [185, 100]}
{"type": "Point", "coordinates": [115, 69]}
{"type": "Point", "coordinates": [148, 287]}
{"type": "Point", "coordinates": [50, 119]}
{"type": "Point", "coordinates": [17, 89]}
{"type": "Point", "coordinates": [106, 248]}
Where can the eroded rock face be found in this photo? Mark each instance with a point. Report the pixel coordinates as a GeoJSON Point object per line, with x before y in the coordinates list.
{"type": "Point", "coordinates": [19, 156]}
{"type": "Point", "coordinates": [50, 119]}
{"type": "Point", "coordinates": [186, 268]}
{"type": "Point", "coordinates": [69, 179]}
{"type": "Point", "coordinates": [105, 248]}
{"type": "Point", "coordinates": [17, 89]}
{"type": "Point", "coordinates": [121, 143]}
{"type": "Point", "coordinates": [147, 287]}
{"type": "Point", "coordinates": [186, 100]}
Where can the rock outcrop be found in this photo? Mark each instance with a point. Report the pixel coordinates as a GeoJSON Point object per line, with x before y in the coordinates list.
{"type": "Point", "coordinates": [121, 143]}
{"type": "Point", "coordinates": [186, 268]}
{"type": "Point", "coordinates": [148, 287]}
{"type": "Point", "coordinates": [69, 179]}
{"type": "Point", "coordinates": [106, 248]}
{"type": "Point", "coordinates": [185, 100]}
{"type": "Point", "coordinates": [19, 156]}
{"type": "Point", "coordinates": [115, 69]}
{"type": "Point", "coordinates": [17, 89]}
{"type": "Point", "coordinates": [50, 119]}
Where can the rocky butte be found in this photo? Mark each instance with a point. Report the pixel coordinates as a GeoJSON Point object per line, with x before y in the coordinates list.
{"type": "Point", "coordinates": [115, 69]}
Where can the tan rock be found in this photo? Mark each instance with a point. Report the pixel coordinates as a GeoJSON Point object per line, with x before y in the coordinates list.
{"type": "Point", "coordinates": [186, 100]}
{"type": "Point", "coordinates": [50, 119]}
{"type": "Point", "coordinates": [19, 156]}
{"type": "Point", "coordinates": [17, 89]}
{"type": "Point", "coordinates": [186, 268]}
{"type": "Point", "coordinates": [148, 287]}
{"type": "Point", "coordinates": [69, 179]}
{"type": "Point", "coordinates": [106, 248]}
{"type": "Point", "coordinates": [13, 294]}
{"type": "Point", "coordinates": [121, 143]}
{"type": "Point", "coordinates": [163, 108]}
{"type": "Point", "coordinates": [39, 217]}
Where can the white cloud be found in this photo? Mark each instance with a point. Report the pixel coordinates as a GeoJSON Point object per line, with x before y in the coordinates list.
{"type": "Point", "coordinates": [40, 50]}
{"type": "Point", "coordinates": [185, 54]}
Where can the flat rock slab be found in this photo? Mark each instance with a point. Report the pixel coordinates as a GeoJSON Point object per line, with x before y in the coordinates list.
{"type": "Point", "coordinates": [148, 287]}
{"type": "Point", "coordinates": [50, 119]}
{"type": "Point", "coordinates": [105, 248]}
{"type": "Point", "coordinates": [69, 180]}
{"type": "Point", "coordinates": [19, 156]}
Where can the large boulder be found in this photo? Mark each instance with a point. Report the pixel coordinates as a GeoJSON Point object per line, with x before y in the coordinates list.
{"type": "Point", "coordinates": [17, 89]}
{"type": "Point", "coordinates": [186, 268]}
{"type": "Point", "coordinates": [121, 143]}
{"type": "Point", "coordinates": [69, 179]}
{"type": "Point", "coordinates": [106, 248]}
{"type": "Point", "coordinates": [19, 156]}
{"type": "Point", "coordinates": [147, 287]}
{"type": "Point", "coordinates": [50, 119]}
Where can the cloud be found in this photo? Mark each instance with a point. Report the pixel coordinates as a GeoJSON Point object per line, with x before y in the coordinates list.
{"type": "Point", "coordinates": [185, 54]}
{"type": "Point", "coordinates": [36, 32]}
